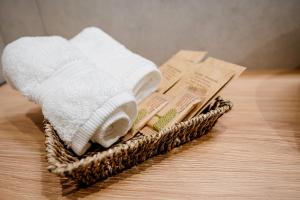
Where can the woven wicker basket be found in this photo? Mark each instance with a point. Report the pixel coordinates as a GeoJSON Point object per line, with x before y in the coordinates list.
{"type": "Point", "coordinates": [101, 163]}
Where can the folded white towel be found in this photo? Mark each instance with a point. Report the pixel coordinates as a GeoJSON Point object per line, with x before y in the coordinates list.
{"type": "Point", "coordinates": [140, 75]}
{"type": "Point", "coordinates": [80, 100]}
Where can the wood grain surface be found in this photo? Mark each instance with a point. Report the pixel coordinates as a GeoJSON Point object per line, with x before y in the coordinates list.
{"type": "Point", "coordinates": [252, 152]}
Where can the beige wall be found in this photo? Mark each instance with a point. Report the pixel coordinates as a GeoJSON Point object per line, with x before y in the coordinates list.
{"type": "Point", "coordinates": [254, 33]}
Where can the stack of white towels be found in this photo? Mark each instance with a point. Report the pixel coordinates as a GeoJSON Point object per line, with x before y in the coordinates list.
{"type": "Point", "coordinates": [88, 87]}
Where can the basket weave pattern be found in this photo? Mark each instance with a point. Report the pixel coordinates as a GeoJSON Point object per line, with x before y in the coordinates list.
{"type": "Point", "coordinates": [100, 164]}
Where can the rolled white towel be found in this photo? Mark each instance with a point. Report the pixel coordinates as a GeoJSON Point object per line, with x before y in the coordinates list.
{"type": "Point", "coordinates": [79, 100]}
{"type": "Point", "coordinates": [140, 75]}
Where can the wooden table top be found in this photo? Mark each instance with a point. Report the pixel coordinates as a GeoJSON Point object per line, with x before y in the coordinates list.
{"type": "Point", "coordinates": [253, 151]}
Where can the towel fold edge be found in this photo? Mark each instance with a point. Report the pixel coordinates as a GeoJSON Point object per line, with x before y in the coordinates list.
{"type": "Point", "coordinates": [80, 139]}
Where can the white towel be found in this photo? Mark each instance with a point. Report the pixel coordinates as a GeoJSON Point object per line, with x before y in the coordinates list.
{"type": "Point", "coordinates": [80, 100]}
{"type": "Point", "coordinates": [140, 75]}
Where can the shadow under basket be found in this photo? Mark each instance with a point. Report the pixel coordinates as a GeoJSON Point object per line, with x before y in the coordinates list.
{"type": "Point", "coordinates": [99, 163]}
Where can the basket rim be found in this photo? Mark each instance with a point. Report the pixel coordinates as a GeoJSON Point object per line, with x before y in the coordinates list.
{"type": "Point", "coordinates": [56, 167]}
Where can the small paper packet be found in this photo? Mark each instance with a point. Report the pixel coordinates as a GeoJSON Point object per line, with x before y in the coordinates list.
{"type": "Point", "coordinates": [175, 111]}
{"type": "Point", "coordinates": [177, 66]}
{"type": "Point", "coordinates": [207, 79]}
{"type": "Point", "coordinates": [146, 110]}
